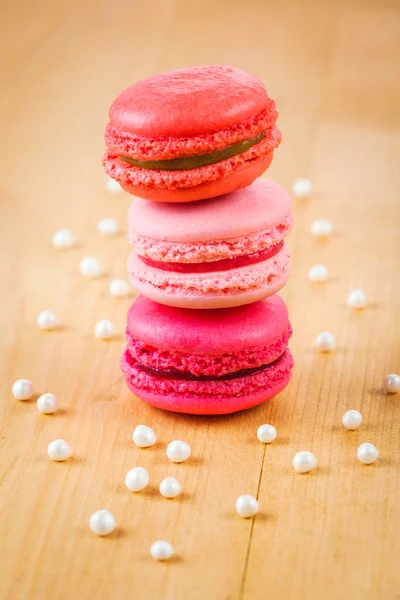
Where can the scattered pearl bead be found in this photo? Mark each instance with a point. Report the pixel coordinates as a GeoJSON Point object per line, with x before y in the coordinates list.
{"type": "Point", "coordinates": [356, 299]}
{"type": "Point", "coordinates": [47, 320]}
{"type": "Point", "coordinates": [246, 506]}
{"type": "Point", "coordinates": [178, 451]}
{"type": "Point", "coordinates": [137, 479]}
{"type": "Point", "coordinates": [47, 404]}
{"type": "Point", "coordinates": [90, 267]}
{"type": "Point", "coordinates": [322, 228]}
{"type": "Point", "coordinates": [107, 226]}
{"type": "Point", "coordinates": [59, 450]}
{"type": "Point", "coordinates": [266, 433]}
{"type": "Point", "coordinates": [352, 419]}
{"type": "Point", "coordinates": [318, 273]}
{"type": "Point", "coordinates": [325, 341]}
{"type": "Point", "coordinates": [104, 330]}
{"type": "Point", "coordinates": [144, 436]}
{"type": "Point", "coordinates": [304, 462]}
{"type": "Point", "coordinates": [119, 288]}
{"type": "Point", "coordinates": [113, 186]}
{"type": "Point", "coordinates": [392, 383]}
{"type": "Point", "coordinates": [161, 550]}
{"type": "Point", "coordinates": [63, 239]}
{"type": "Point", "coordinates": [102, 522]}
{"type": "Point", "coordinates": [22, 389]}
{"type": "Point", "coordinates": [367, 453]}
{"type": "Point", "coordinates": [302, 187]}
{"type": "Point", "coordinates": [170, 487]}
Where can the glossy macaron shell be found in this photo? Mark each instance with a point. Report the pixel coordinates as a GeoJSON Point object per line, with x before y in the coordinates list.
{"type": "Point", "coordinates": [188, 102]}
{"type": "Point", "coordinates": [211, 332]}
{"type": "Point", "coordinates": [257, 207]}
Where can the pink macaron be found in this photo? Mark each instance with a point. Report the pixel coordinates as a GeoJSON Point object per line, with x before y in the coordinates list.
{"type": "Point", "coordinates": [191, 134]}
{"type": "Point", "coordinates": [217, 253]}
{"type": "Point", "coordinates": [207, 362]}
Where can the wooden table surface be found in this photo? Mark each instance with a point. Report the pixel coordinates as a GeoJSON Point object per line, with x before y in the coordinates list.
{"type": "Point", "coordinates": [331, 534]}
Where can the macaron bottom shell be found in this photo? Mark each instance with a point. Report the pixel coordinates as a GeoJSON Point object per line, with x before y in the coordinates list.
{"type": "Point", "coordinates": [241, 178]}
{"type": "Point", "coordinates": [220, 289]}
{"type": "Point", "coordinates": [208, 397]}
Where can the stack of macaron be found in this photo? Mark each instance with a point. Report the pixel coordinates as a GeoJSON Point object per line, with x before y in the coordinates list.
{"type": "Point", "coordinates": [208, 334]}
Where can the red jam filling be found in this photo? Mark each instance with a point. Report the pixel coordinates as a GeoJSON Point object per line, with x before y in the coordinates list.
{"type": "Point", "coordinates": [218, 265]}
{"type": "Point", "coordinates": [187, 376]}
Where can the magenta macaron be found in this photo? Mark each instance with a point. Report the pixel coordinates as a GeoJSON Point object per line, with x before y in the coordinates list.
{"type": "Point", "coordinates": [207, 362]}
{"type": "Point", "coordinates": [216, 253]}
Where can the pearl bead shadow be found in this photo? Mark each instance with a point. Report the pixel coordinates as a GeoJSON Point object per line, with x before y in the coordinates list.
{"type": "Point", "coordinates": [262, 516]}
{"type": "Point", "coordinates": [75, 246]}
{"type": "Point", "coordinates": [116, 337]}
{"type": "Point", "coordinates": [176, 559]}
{"type": "Point", "coordinates": [32, 400]}
{"type": "Point", "coordinates": [119, 532]}
{"type": "Point", "coordinates": [315, 472]}
{"type": "Point", "coordinates": [278, 441]}
{"type": "Point", "coordinates": [75, 274]}
{"type": "Point", "coordinates": [380, 392]}
{"type": "Point", "coordinates": [152, 492]}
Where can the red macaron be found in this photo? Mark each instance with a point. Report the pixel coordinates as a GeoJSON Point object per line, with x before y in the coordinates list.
{"type": "Point", "coordinates": [191, 134]}
{"type": "Point", "coordinates": [207, 362]}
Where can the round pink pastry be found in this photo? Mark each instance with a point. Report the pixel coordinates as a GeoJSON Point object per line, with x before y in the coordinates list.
{"type": "Point", "coordinates": [216, 253]}
{"type": "Point", "coordinates": [207, 362]}
{"type": "Point", "coordinates": [191, 134]}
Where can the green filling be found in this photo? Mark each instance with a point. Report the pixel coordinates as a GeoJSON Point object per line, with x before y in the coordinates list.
{"type": "Point", "coordinates": [194, 162]}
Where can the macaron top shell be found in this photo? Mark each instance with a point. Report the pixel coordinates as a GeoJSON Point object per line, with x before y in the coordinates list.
{"type": "Point", "coordinates": [255, 208]}
{"type": "Point", "coordinates": [212, 332]}
{"type": "Point", "coordinates": [188, 102]}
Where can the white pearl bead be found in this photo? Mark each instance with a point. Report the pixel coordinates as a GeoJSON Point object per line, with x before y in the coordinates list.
{"type": "Point", "coordinates": [318, 273]}
{"type": "Point", "coordinates": [246, 506]}
{"type": "Point", "coordinates": [325, 341]}
{"type": "Point", "coordinates": [59, 450]}
{"type": "Point", "coordinates": [304, 462]}
{"type": "Point", "coordinates": [367, 453]}
{"type": "Point", "coordinates": [107, 226]}
{"type": "Point", "coordinates": [102, 522]}
{"type": "Point", "coordinates": [119, 288]}
{"type": "Point", "coordinates": [113, 186]}
{"type": "Point", "coordinates": [90, 267]}
{"type": "Point", "coordinates": [161, 550]}
{"type": "Point", "coordinates": [144, 436]}
{"type": "Point", "coordinates": [357, 299]}
{"type": "Point", "coordinates": [22, 389]}
{"type": "Point", "coordinates": [63, 239]}
{"type": "Point", "coordinates": [47, 404]}
{"type": "Point", "coordinates": [266, 433]}
{"type": "Point", "coordinates": [170, 487]}
{"type": "Point", "coordinates": [302, 187]}
{"type": "Point", "coordinates": [137, 479]}
{"type": "Point", "coordinates": [104, 330]}
{"type": "Point", "coordinates": [392, 383]}
{"type": "Point", "coordinates": [178, 451]}
{"type": "Point", "coordinates": [322, 228]}
{"type": "Point", "coordinates": [47, 320]}
{"type": "Point", "coordinates": [352, 419]}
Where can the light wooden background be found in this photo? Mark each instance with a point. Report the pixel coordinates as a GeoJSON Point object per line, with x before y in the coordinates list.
{"type": "Point", "coordinates": [332, 534]}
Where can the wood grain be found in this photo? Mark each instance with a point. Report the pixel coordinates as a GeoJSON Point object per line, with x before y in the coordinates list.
{"type": "Point", "coordinates": [333, 534]}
